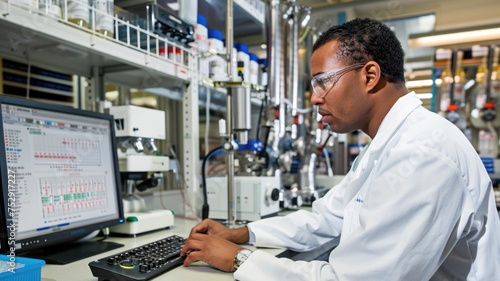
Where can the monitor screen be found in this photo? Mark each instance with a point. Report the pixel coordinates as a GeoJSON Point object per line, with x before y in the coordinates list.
{"type": "Point", "coordinates": [60, 179]}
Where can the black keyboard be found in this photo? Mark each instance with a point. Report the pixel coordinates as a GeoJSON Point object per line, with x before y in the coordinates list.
{"type": "Point", "coordinates": [140, 263]}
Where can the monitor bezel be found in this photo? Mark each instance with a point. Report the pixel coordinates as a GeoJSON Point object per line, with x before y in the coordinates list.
{"type": "Point", "coordinates": [64, 236]}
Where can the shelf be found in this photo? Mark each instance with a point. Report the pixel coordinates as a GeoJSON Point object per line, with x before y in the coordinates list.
{"type": "Point", "coordinates": [19, 79]}
{"type": "Point", "coordinates": [243, 9]}
{"type": "Point", "coordinates": [217, 96]}
{"type": "Point", "coordinates": [28, 35]}
{"type": "Point", "coordinates": [465, 63]}
{"type": "Point", "coordinates": [247, 20]}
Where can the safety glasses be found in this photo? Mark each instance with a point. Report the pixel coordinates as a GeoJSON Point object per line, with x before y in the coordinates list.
{"type": "Point", "coordinates": [323, 82]}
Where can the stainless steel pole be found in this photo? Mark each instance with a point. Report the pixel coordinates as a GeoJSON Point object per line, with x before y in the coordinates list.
{"type": "Point", "coordinates": [231, 194]}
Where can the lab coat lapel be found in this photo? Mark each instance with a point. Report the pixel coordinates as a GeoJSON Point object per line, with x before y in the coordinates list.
{"type": "Point", "coordinates": [386, 132]}
{"type": "Point", "coordinates": [356, 188]}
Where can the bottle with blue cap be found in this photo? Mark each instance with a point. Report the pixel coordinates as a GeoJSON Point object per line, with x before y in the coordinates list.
{"type": "Point", "coordinates": [215, 40]}
{"type": "Point", "coordinates": [201, 34]}
{"type": "Point", "coordinates": [263, 72]}
{"type": "Point", "coordinates": [201, 44]}
{"type": "Point", "coordinates": [243, 57]}
{"type": "Point", "coordinates": [217, 64]}
{"type": "Point", "coordinates": [254, 69]}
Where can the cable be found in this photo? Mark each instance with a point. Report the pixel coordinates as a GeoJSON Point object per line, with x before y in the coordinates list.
{"type": "Point", "coordinates": [324, 143]}
{"type": "Point", "coordinates": [299, 110]}
{"type": "Point", "coordinates": [262, 105]}
{"type": "Point", "coordinates": [263, 152]}
{"type": "Point", "coordinates": [321, 148]}
{"type": "Point", "coordinates": [328, 164]}
{"type": "Point", "coordinates": [206, 208]}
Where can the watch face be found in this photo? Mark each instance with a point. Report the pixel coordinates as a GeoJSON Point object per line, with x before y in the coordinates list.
{"type": "Point", "coordinates": [241, 257]}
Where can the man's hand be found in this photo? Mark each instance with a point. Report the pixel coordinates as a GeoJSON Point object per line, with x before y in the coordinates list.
{"type": "Point", "coordinates": [211, 227]}
{"type": "Point", "coordinates": [211, 249]}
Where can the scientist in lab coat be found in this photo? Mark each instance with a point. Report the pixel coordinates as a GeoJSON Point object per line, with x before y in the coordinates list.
{"type": "Point", "coordinates": [417, 203]}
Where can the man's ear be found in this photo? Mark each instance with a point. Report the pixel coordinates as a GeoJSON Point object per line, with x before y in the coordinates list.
{"type": "Point", "coordinates": [373, 76]}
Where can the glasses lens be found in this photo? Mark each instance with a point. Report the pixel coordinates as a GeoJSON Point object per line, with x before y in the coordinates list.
{"type": "Point", "coordinates": [324, 82]}
{"type": "Point", "coordinates": [321, 85]}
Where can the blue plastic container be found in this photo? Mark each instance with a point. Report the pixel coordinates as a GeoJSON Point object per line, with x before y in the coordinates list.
{"type": "Point", "coordinates": [20, 268]}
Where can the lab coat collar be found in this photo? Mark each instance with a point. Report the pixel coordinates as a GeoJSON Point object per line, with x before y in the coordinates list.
{"type": "Point", "coordinates": [394, 118]}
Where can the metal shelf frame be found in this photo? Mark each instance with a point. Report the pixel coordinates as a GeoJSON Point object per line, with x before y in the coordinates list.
{"type": "Point", "coordinates": [61, 44]}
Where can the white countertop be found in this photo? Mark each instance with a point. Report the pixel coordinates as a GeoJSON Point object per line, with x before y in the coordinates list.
{"type": "Point", "coordinates": [80, 271]}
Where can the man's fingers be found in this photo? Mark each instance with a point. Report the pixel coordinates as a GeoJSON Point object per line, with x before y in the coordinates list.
{"type": "Point", "coordinates": [199, 228]}
{"type": "Point", "coordinates": [213, 250]}
{"type": "Point", "coordinates": [194, 243]}
{"type": "Point", "coordinates": [192, 256]}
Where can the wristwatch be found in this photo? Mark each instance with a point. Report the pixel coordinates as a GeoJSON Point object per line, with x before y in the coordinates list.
{"type": "Point", "coordinates": [240, 257]}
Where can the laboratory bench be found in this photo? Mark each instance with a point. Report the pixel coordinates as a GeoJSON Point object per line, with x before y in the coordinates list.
{"type": "Point", "coordinates": [80, 270]}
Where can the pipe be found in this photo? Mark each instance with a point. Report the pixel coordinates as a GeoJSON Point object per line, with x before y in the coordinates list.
{"type": "Point", "coordinates": [276, 65]}
{"type": "Point", "coordinates": [231, 194]}
{"type": "Point", "coordinates": [292, 89]}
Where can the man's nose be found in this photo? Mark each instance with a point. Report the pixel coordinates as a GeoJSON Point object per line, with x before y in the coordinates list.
{"type": "Point", "coordinates": [316, 100]}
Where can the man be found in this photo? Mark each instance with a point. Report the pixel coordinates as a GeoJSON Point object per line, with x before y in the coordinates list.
{"type": "Point", "coordinates": [416, 205]}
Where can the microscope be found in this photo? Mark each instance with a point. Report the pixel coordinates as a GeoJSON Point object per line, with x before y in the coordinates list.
{"type": "Point", "coordinates": [141, 168]}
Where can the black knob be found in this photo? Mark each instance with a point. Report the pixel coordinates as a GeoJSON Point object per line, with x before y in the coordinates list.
{"type": "Point", "coordinates": [489, 114]}
{"type": "Point", "coordinates": [275, 194]}
{"type": "Point", "coordinates": [151, 182]}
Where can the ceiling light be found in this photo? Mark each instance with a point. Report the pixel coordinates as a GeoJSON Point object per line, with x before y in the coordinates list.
{"type": "Point", "coordinates": [425, 96]}
{"type": "Point", "coordinates": [458, 36]}
{"type": "Point", "coordinates": [419, 83]}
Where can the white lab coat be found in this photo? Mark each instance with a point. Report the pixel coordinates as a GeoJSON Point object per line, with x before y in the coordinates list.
{"type": "Point", "coordinates": [419, 206]}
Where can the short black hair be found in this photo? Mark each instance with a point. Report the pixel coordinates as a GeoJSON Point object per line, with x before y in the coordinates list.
{"type": "Point", "coordinates": [362, 40]}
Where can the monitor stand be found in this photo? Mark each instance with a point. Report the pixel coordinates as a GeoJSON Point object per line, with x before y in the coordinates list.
{"type": "Point", "coordinates": [70, 252]}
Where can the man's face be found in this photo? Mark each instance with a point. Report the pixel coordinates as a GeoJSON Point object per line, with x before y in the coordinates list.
{"type": "Point", "coordinates": [342, 105]}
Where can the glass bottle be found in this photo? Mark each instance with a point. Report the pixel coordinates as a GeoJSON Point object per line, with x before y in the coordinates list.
{"type": "Point", "coordinates": [458, 89]}
{"type": "Point", "coordinates": [104, 17]}
{"type": "Point", "coordinates": [446, 82]}
{"type": "Point", "coordinates": [481, 73]}
{"type": "Point", "coordinates": [495, 76]}
{"type": "Point", "coordinates": [50, 7]}
{"type": "Point", "coordinates": [79, 12]}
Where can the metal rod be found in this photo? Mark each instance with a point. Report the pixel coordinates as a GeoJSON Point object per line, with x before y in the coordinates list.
{"type": "Point", "coordinates": [294, 59]}
{"type": "Point", "coordinates": [229, 41]}
{"type": "Point", "coordinates": [276, 54]}
{"type": "Point", "coordinates": [231, 194]}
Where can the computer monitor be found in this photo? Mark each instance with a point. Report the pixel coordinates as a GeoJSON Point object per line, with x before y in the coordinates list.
{"type": "Point", "coordinates": [60, 180]}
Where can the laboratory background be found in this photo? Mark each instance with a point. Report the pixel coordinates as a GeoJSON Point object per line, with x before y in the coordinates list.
{"type": "Point", "coordinates": [132, 120]}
